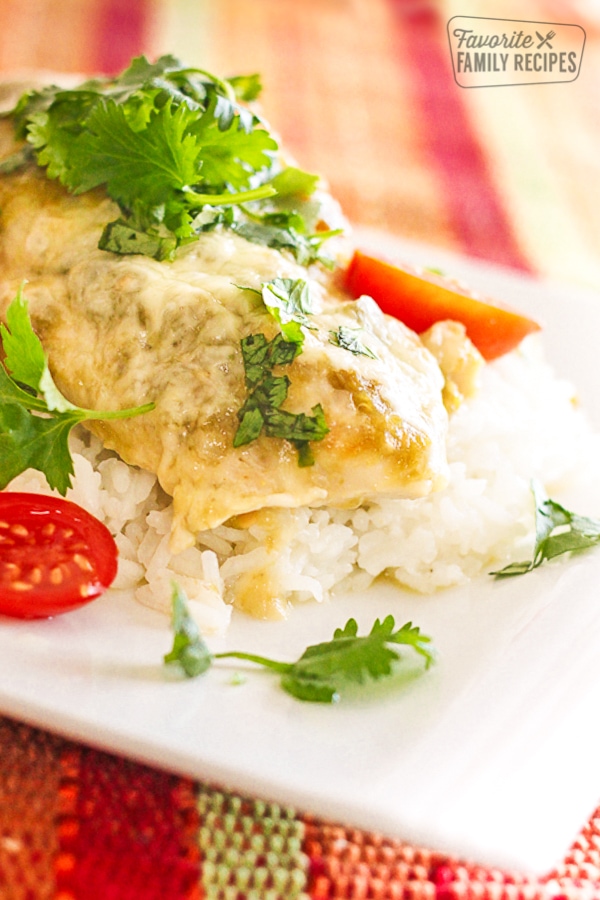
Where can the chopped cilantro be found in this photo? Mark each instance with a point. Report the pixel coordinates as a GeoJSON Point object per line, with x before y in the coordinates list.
{"type": "Point", "coordinates": [290, 303]}
{"type": "Point", "coordinates": [347, 338]}
{"type": "Point", "coordinates": [261, 412]}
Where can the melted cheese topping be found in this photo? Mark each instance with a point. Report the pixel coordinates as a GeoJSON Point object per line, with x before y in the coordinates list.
{"type": "Point", "coordinates": [121, 331]}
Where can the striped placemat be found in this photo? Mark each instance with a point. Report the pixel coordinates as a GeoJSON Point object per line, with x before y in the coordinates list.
{"type": "Point", "coordinates": [80, 824]}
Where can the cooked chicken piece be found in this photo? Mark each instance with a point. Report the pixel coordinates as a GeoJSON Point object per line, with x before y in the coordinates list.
{"type": "Point", "coordinates": [458, 358]}
{"type": "Point", "coordinates": [122, 330]}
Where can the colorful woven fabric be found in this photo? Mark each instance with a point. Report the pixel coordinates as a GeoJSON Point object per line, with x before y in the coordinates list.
{"type": "Point", "coordinates": [363, 92]}
{"type": "Point", "coordinates": [79, 824]}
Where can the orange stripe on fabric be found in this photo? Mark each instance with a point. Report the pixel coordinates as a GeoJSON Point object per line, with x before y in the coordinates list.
{"type": "Point", "coordinates": [475, 209]}
{"type": "Point", "coordinates": [46, 35]}
{"type": "Point", "coordinates": [30, 774]}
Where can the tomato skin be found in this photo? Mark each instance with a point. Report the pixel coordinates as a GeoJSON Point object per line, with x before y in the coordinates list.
{"type": "Point", "coordinates": [421, 299]}
{"type": "Point", "coordinates": [54, 556]}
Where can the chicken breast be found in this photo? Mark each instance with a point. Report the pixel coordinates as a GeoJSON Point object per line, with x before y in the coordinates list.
{"type": "Point", "coordinates": [124, 330]}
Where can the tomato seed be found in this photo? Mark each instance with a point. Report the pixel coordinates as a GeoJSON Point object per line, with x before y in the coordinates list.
{"type": "Point", "coordinates": [21, 586]}
{"type": "Point", "coordinates": [35, 576]}
{"type": "Point", "coordinates": [4, 524]}
{"type": "Point", "coordinates": [83, 562]}
{"type": "Point", "coordinates": [56, 575]}
{"type": "Point", "coordinates": [19, 530]}
{"type": "Point", "coordinates": [48, 529]}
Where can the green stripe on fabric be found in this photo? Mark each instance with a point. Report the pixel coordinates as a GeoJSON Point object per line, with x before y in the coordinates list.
{"type": "Point", "coordinates": [250, 847]}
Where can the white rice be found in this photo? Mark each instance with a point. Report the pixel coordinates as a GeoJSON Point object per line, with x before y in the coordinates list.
{"type": "Point", "coordinates": [523, 424]}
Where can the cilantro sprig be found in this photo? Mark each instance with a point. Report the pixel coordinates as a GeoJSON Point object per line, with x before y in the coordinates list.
{"type": "Point", "coordinates": [35, 417]}
{"type": "Point", "coordinates": [168, 143]}
{"type": "Point", "coordinates": [557, 531]}
{"type": "Point", "coordinates": [324, 671]}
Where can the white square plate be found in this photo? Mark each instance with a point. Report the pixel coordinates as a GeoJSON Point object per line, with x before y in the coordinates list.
{"type": "Point", "coordinates": [491, 755]}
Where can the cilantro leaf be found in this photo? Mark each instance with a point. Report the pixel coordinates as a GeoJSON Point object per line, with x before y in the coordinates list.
{"type": "Point", "coordinates": [13, 392]}
{"type": "Point", "coordinates": [126, 238]}
{"type": "Point", "coordinates": [24, 355]}
{"type": "Point", "coordinates": [557, 531]}
{"type": "Point", "coordinates": [296, 426]}
{"type": "Point", "coordinates": [260, 355]}
{"type": "Point", "coordinates": [229, 153]}
{"type": "Point", "coordinates": [189, 650]}
{"type": "Point", "coordinates": [324, 670]}
{"type": "Point", "coordinates": [246, 87]}
{"type": "Point", "coordinates": [347, 338]}
{"type": "Point", "coordinates": [27, 389]}
{"type": "Point", "coordinates": [262, 412]}
{"type": "Point", "coordinates": [289, 301]}
{"type": "Point", "coordinates": [151, 163]}
{"type": "Point", "coordinates": [54, 129]}
{"type": "Point", "coordinates": [292, 181]}
{"type": "Point", "coordinates": [33, 442]}
{"type": "Point", "coordinates": [270, 233]}
{"type": "Point", "coordinates": [250, 427]}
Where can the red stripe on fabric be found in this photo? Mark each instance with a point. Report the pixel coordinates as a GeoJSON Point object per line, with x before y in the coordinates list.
{"type": "Point", "coordinates": [120, 32]}
{"type": "Point", "coordinates": [127, 832]}
{"type": "Point", "coordinates": [476, 212]}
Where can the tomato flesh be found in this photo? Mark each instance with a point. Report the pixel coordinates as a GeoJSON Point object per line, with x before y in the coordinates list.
{"type": "Point", "coordinates": [419, 299]}
{"type": "Point", "coordinates": [54, 556]}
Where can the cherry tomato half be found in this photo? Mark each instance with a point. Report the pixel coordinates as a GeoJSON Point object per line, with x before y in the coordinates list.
{"type": "Point", "coordinates": [419, 299]}
{"type": "Point", "coordinates": [54, 556]}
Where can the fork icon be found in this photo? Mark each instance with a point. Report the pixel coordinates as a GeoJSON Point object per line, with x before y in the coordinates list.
{"type": "Point", "coordinates": [545, 40]}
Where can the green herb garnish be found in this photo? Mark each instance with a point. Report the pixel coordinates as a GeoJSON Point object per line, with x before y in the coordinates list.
{"type": "Point", "coordinates": [557, 531]}
{"type": "Point", "coordinates": [35, 417]}
{"type": "Point", "coordinates": [289, 302]}
{"type": "Point", "coordinates": [323, 671]}
{"type": "Point", "coordinates": [347, 338]}
{"type": "Point", "coordinates": [261, 412]}
{"type": "Point", "coordinates": [189, 650]}
{"type": "Point", "coordinates": [168, 143]}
